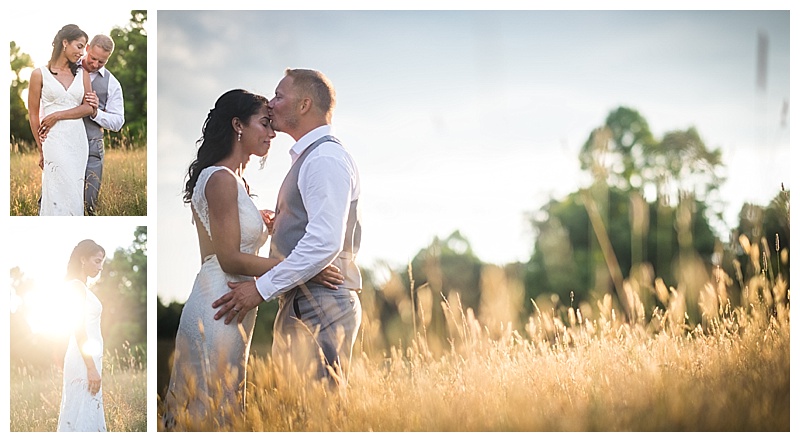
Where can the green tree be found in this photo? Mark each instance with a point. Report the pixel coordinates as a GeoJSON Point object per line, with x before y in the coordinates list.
{"type": "Point", "coordinates": [684, 165]}
{"type": "Point", "coordinates": [167, 320]}
{"type": "Point", "coordinates": [624, 154]}
{"type": "Point", "coordinates": [596, 239]}
{"type": "Point", "coordinates": [444, 268]}
{"type": "Point", "coordinates": [766, 228]}
{"type": "Point", "coordinates": [619, 151]}
{"type": "Point", "coordinates": [20, 129]}
{"type": "Point", "coordinates": [123, 291]}
{"type": "Point", "coordinates": [129, 64]}
{"type": "Point", "coordinates": [565, 262]}
{"type": "Point", "coordinates": [449, 265]}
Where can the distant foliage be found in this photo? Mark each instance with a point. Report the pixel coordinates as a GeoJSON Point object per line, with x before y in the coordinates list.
{"type": "Point", "coordinates": [129, 64]}
{"type": "Point", "coordinates": [19, 127]}
{"type": "Point", "coordinates": [123, 291]}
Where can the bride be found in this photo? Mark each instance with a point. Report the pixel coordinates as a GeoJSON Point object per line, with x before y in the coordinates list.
{"type": "Point", "coordinates": [82, 393]}
{"type": "Point", "coordinates": [207, 384]}
{"type": "Point", "coordinates": [58, 93]}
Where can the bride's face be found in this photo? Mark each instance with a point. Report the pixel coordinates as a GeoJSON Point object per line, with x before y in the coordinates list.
{"type": "Point", "coordinates": [94, 264]}
{"type": "Point", "coordinates": [257, 133]}
{"type": "Point", "coordinates": [74, 49]}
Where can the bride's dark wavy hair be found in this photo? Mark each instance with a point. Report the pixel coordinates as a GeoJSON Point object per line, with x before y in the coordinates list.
{"type": "Point", "coordinates": [216, 143]}
{"type": "Point", "coordinates": [68, 33]}
{"type": "Point", "coordinates": [85, 249]}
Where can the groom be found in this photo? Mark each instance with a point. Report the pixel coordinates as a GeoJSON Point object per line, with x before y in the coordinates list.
{"type": "Point", "coordinates": [316, 224]}
{"type": "Point", "coordinates": [109, 113]}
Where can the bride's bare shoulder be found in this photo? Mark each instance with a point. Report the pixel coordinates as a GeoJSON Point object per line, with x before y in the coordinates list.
{"type": "Point", "coordinates": [221, 183]}
{"type": "Point", "coordinates": [76, 287]}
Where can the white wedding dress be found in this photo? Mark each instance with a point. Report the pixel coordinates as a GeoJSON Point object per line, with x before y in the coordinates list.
{"type": "Point", "coordinates": [209, 370]}
{"type": "Point", "coordinates": [80, 410]}
{"type": "Point", "coordinates": [66, 149]}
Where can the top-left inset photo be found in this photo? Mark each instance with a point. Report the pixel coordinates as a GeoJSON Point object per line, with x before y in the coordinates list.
{"type": "Point", "coordinates": [79, 114]}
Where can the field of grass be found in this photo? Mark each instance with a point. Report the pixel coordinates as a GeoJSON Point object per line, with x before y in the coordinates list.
{"type": "Point", "coordinates": [35, 396]}
{"type": "Point", "coordinates": [565, 370]}
{"type": "Point", "coordinates": [123, 191]}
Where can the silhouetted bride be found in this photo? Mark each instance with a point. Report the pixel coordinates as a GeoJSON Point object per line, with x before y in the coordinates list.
{"type": "Point", "coordinates": [82, 393]}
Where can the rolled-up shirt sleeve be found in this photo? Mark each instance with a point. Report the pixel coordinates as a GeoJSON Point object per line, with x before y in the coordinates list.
{"type": "Point", "coordinates": [326, 185]}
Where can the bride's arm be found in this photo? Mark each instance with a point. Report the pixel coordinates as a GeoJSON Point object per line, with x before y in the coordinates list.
{"type": "Point", "coordinates": [223, 214]}
{"type": "Point", "coordinates": [85, 109]}
{"type": "Point", "coordinates": [92, 375]}
{"type": "Point", "coordinates": [222, 194]}
{"type": "Point", "coordinates": [34, 103]}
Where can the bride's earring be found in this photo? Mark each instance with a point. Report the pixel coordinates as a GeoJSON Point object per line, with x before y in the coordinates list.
{"type": "Point", "coordinates": [239, 137]}
{"type": "Point", "coordinates": [263, 162]}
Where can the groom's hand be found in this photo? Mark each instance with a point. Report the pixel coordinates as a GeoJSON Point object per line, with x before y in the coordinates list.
{"type": "Point", "coordinates": [241, 299]}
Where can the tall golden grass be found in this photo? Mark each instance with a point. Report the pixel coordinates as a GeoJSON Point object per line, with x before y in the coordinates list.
{"type": "Point", "coordinates": [123, 191]}
{"type": "Point", "coordinates": [567, 369]}
{"type": "Point", "coordinates": [35, 394]}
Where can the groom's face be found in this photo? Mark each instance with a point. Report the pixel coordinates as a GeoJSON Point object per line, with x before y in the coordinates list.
{"type": "Point", "coordinates": [283, 108]}
{"type": "Point", "coordinates": [96, 57]}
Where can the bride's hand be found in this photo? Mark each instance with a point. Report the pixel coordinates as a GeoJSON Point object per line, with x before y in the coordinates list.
{"type": "Point", "coordinates": [329, 277]}
{"type": "Point", "coordinates": [41, 160]}
{"type": "Point", "coordinates": [48, 122]}
{"type": "Point", "coordinates": [91, 99]}
{"type": "Point", "coordinates": [94, 380]}
{"type": "Point", "coordinates": [43, 130]}
{"type": "Point", "coordinates": [269, 219]}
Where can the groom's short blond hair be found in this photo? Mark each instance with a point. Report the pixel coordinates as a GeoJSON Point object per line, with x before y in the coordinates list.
{"type": "Point", "coordinates": [317, 86]}
{"type": "Point", "coordinates": [104, 42]}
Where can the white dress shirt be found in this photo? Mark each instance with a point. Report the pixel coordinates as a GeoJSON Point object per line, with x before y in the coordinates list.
{"type": "Point", "coordinates": [328, 181]}
{"type": "Point", "coordinates": [113, 116]}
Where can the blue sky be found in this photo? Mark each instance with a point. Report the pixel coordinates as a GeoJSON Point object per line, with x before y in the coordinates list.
{"type": "Point", "coordinates": [471, 120]}
{"type": "Point", "coordinates": [464, 120]}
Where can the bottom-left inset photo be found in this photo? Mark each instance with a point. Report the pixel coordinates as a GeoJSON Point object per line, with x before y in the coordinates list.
{"type": "Point", "coordinates": [78, 329]}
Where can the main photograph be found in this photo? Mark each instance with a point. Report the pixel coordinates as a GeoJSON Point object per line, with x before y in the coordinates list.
{"type": "Point", "coordinates": [472, 221]}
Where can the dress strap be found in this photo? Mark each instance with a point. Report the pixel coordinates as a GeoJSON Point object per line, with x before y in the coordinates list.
{"type": "Point", "coordinates": [199, 201]}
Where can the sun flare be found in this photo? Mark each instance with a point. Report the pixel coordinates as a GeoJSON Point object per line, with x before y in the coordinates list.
{"type": "Point", "coordinates": [52, 309]}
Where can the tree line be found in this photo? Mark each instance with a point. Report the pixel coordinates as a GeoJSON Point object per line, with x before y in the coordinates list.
{"type": "Point", "coordinates": [647, 221]}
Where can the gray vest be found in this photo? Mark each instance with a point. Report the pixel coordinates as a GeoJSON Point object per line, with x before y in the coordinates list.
{"type": "Point", "coordinates": [100, 87]}
{"type": "Point", "coordinates": [291, 220]}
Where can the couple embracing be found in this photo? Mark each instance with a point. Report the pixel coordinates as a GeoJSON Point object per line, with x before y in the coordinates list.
{"type": "Point", "coordinates": [311, 271]}
{"type": "Point", "coordinates": [71, 101]}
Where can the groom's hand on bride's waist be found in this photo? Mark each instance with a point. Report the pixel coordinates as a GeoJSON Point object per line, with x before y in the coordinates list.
{"type": "Point", "coordinates": [242, 298]}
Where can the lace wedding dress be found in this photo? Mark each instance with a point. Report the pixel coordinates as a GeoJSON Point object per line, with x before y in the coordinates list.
{"type": "Point", "coordinates": [66, 149]}
{"type": "Point", "coordinates": [80, 410]}
{"type": "Point", "coordinates": [207, 384]}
